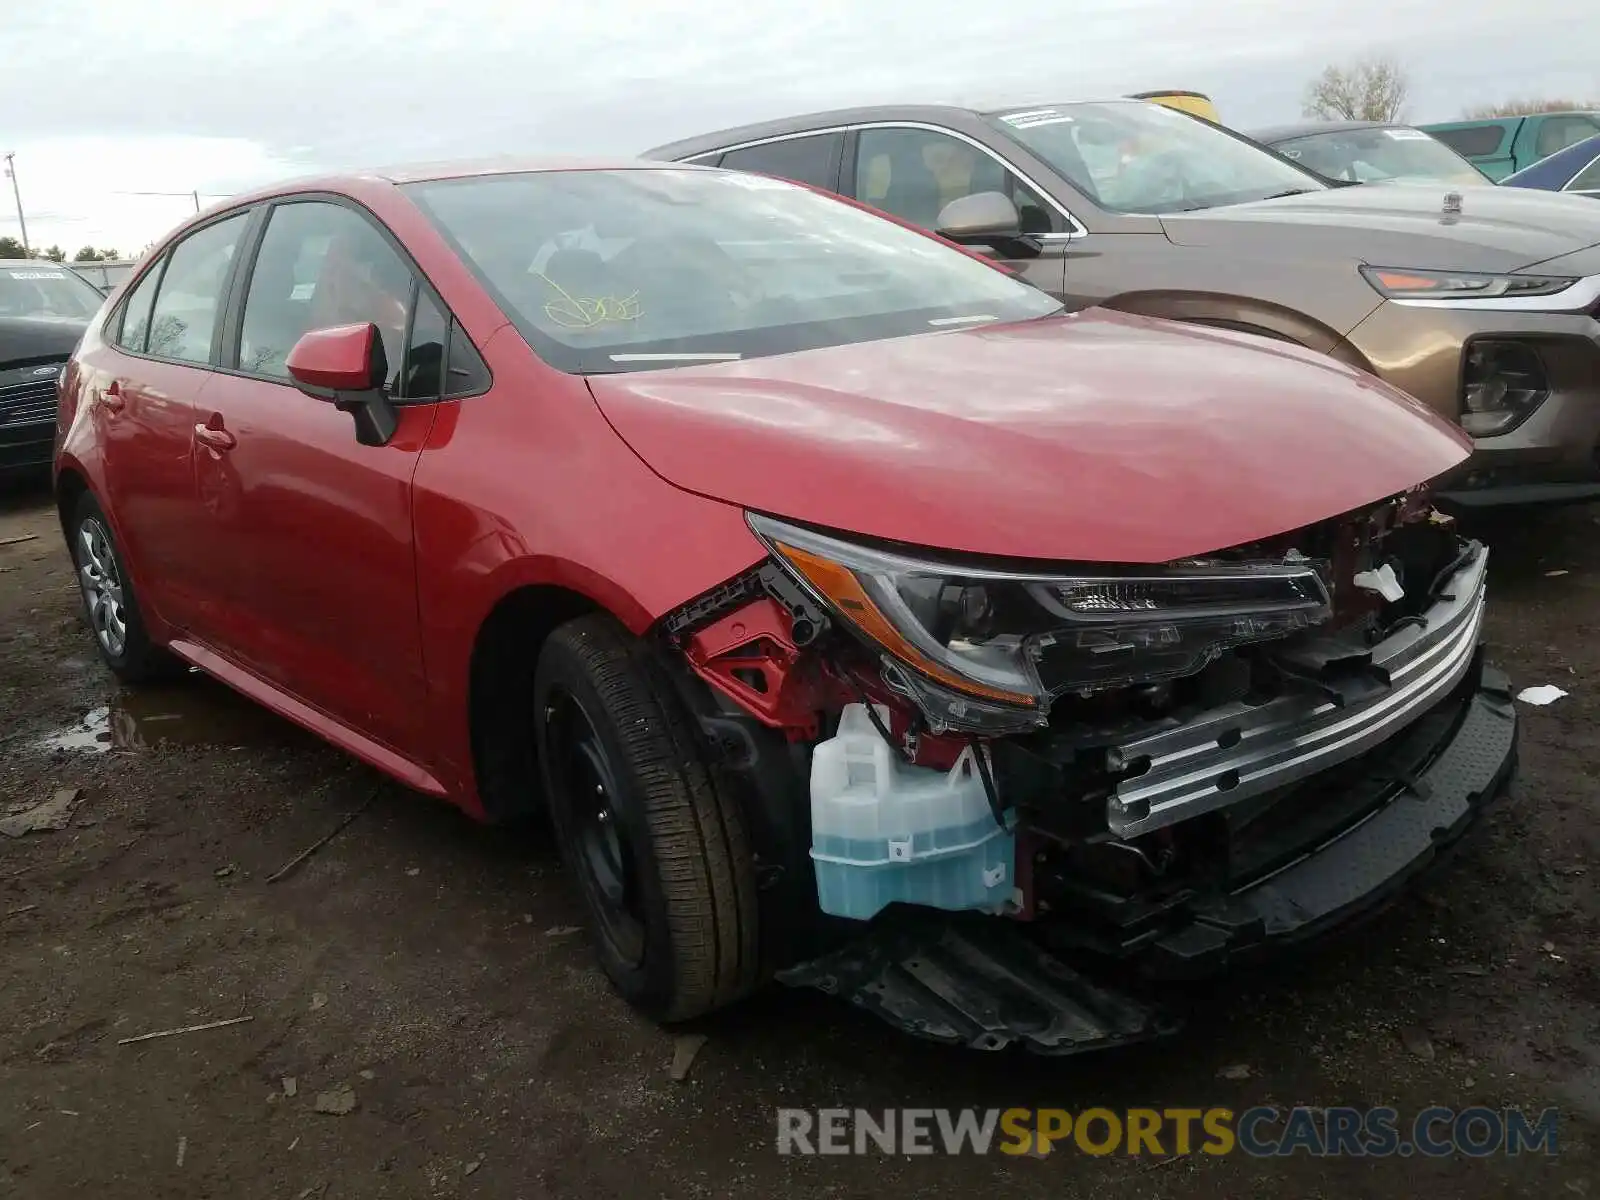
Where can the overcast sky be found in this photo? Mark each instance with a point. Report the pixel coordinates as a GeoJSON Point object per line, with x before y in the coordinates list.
{"type": "Point", "coordinates": [99, 98]}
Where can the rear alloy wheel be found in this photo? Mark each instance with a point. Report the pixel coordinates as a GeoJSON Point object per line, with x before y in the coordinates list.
{"type": "Point", "coordinates": [109, 603]}
{"type": "Point", "coordinates": [661, 859]}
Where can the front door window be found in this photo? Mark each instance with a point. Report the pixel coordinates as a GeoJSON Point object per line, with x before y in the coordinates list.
{"type": "Point", "coordinates": [913, 173]}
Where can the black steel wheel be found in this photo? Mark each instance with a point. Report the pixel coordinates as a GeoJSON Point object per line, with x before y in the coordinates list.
{"type": "Point", "coordinates": [606, 863]}
{"type": "Point", "coordinates": [661, 858]}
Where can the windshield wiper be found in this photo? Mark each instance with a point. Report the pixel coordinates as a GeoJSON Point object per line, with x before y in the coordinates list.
{"type": "Point", "coordinates": [1291, 192]}
{"type": "Point", "coordinates": [675, 357]}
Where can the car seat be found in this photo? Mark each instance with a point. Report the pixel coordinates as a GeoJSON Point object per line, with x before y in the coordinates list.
{"type": "Point", "coordinates": [914, 193]}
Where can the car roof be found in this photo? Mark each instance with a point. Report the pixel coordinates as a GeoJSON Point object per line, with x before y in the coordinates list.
{"type": "Point", "coordinates": [805, 122]}
{"type": "Point", "coordinates": [934, 114]}
{"type": "Point", "coordinates": [1511, 118]}
{"type": "Point", "coordinates": [1282, 133]}
{"type": "Point", "coordinates": [425, 172]}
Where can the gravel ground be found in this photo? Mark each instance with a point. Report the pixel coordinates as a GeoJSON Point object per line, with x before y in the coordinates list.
{"type": "Point", "coordinates": [431, 972]}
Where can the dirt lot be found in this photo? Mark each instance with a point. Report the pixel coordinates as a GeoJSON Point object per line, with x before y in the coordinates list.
{"type": "Point", "coordinates": [433, 967]}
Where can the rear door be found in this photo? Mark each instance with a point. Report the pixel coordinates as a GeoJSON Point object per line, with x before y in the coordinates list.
{"type": "Point", "coordinates": [307, 532]}
{"type": "Point", "coordinates": [143, 388]}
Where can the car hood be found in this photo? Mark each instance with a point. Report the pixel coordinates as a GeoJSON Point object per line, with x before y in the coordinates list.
{"type": "Point", "coordinates": [1095, 437]}
{"type": "Point", "coordinates": [36, 337]}
{"type": "Point", "coordinates": [1403, 225]}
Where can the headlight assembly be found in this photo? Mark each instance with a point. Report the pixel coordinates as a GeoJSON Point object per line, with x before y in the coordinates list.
{"type": "Point", "coordinates": [988, 649]}
{"type": "Point", "coordinates": [1399, 283]}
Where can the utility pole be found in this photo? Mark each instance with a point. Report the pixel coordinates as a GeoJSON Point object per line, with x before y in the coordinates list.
{"type": "Point", "coordinates": [16, 192]}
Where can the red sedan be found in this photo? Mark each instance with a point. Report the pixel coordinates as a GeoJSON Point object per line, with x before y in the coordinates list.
{"type": "Point", "coordinates": [856, 616]}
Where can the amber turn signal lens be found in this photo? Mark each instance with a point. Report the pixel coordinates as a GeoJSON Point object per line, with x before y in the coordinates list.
{"type": "Point", "coordinates": [1397, 281]}
{"type": "Point", "coordinates": [844, 591]}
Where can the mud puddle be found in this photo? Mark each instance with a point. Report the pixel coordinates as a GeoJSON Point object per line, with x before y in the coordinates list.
{"type": "Point", "coordinates": [197, 712]}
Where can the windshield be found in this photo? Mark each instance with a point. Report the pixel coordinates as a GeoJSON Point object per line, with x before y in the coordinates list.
{"type": "Point", "coordinates": [1380, 155]}
{"type": "Point", "coordinates": [48, 293]}
{"type": "Point", "coordinates": [1135, 157]}
{"type": "Point", "coordinates": [633, 269]}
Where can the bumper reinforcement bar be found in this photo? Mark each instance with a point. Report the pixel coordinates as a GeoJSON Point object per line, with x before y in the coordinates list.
{"type": "Point", "coordinates": [1239, 750]}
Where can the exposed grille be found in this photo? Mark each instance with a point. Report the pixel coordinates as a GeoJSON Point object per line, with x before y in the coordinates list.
{"type": "Point", "coordinates": [28, 394]}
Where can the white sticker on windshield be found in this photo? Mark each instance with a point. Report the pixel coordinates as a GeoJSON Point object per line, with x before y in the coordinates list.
{"type": "Point", "coordinates": [759, 183]}
{"type": "Point", "coordinates": [302, 291]}
{"type": "Point", "coordinates": [37, 274]}
{"type": "Point", "coordinates": [1035, 116]}
{"type": "Point", "coordinates": [1028, 112]}
{"type": "Point", "coordinates": [1407, 135]}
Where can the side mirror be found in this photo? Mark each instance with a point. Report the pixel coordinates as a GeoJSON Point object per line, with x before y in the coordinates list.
{"type": "Point", "coordinates": [982, 219]}
{"type": "Point", "coordinates": [347, 365]}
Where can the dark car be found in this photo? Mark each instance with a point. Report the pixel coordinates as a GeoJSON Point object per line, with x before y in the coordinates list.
{"type": "Point", "coordinates": [44, 309]}
{"type": "Point", "coordinates": [106, 274]}
{"type": "Point", "coordinates": [813, 575]}
{"type": "Point", "coordinates": [1575, 169]}
{"type": "Point", "coordinates": [1477, 301]}
{"type": "Point", "coordinates": [1370, 152]}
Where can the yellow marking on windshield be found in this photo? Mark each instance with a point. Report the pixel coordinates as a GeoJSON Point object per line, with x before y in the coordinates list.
{"type": "Point", "coordinates": [578, 312]}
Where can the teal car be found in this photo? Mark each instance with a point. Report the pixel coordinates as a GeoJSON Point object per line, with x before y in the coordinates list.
{"type": "Point", "coordinates": [1497, 146]}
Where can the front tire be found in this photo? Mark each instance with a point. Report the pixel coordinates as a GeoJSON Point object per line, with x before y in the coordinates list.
{"type": "Point", "coordinates": [661, 857]}
{"type": "Point", "coordinates": [109, 605]}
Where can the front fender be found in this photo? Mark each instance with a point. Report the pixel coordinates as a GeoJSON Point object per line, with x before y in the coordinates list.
{"type": "Point", "coordinates": [1242, 313]}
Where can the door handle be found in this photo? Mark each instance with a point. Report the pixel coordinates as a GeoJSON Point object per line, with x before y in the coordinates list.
{"type": "Point", "coordinates": [217, 439]}
{"type": "Point", "coordinates": [113, 398]}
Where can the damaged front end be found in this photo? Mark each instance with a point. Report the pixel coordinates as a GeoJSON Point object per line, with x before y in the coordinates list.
{"type": "Point", "coordinates": [1006, 797]}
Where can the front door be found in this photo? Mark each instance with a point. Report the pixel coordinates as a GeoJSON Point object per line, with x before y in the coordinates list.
{"type": "Point", "coordinates": [309, 532]}
{"type": "Point", "coordinates": [912, 173]}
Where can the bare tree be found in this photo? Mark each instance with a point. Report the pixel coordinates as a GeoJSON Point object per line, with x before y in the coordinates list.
{"type": "Point", "coordinates": [1519, 106]}
{"type": "Point", "coordinates": [1374, 89]}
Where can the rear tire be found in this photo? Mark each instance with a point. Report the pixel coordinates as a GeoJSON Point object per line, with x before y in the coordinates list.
{"type": "Point", "coordinates": [109, 605]}
{"type": "Point", "coordinates": [661, 857]}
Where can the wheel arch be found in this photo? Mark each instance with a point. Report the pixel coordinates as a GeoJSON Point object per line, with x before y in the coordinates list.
{"type": "Point", "coordinates": [1243, 314]}
{"type": "Point", "coordinates": [505, 651]}
{"type": "Point", "coordinates": [71, 482]}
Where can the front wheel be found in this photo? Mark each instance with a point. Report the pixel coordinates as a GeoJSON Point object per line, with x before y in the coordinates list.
{"type": "Point", "coordinates": [661, 857]}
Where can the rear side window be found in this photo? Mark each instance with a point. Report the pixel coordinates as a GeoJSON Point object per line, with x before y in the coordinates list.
{"type": "Point", "coordinates": [1557, 133]}
{"type": "Point", "coordinates": [136, 312]}
{"type": "Point", "coordinates": [813, 160]}
{"type": "Point", "coordinates": [184, 316]}
{"type": "Point", "coordinates": [1473, 141]}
